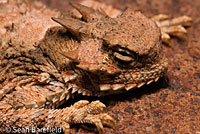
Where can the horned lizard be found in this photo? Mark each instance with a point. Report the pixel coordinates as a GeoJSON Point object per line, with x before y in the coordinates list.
{"type": "Point", "coordinates": [43, 64]}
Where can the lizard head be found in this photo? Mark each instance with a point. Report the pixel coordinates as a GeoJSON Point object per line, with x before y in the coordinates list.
{"type": "Point", "coordinates": [115, 54]}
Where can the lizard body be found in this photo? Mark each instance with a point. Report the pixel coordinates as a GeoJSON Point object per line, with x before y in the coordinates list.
{"type": "Point", "coordinates": [42, 64]}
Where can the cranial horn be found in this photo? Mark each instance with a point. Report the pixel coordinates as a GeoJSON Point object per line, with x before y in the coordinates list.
{"type": "Point", "coordinates": [89, 14]}
{"type": "Point", "coordinates": [72, 55]}
{"type": "Point", "coordinates": [73, 25]}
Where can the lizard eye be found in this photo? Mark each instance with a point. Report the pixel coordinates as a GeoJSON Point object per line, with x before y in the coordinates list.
{"type": "Point", "coordinates": [124, 57]}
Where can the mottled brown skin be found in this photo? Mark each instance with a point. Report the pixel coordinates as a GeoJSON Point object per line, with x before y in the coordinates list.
{"type": "Point", "coordinates": [95, 56]}
{"type": "Point", "coordinates": [117, 53]}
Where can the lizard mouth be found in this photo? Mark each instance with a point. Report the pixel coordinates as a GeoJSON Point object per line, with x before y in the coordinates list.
{"type": "Point", "coordinates": [134, 79]}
